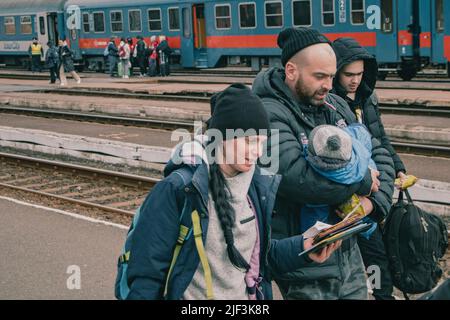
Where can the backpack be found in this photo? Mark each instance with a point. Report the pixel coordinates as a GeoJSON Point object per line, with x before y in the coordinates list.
{"type": "Point", "coordinates": [122, 52]}
{"type": "Point", "coordinates": [189, 226]}
{"type": "Point", "coordinates": [415, 241]}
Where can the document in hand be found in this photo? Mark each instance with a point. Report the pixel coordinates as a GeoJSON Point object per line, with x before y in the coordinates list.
{"type": "Point", "coordinates": [340, 231]}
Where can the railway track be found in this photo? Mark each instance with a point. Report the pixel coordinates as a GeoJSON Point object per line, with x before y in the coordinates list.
{"type": "Point", "coordinates": [220, 77]}
{"type": "Point", "coordinates": [410, 148]}
{"type": "Point", "coordinates": [107, 191]}
{"type": "Point", "coordinates": [204, 97]}
{"type": "Point", "coordinates": [99, 118]}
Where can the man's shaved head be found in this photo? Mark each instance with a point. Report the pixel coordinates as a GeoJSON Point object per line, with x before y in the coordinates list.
{"type": "Point", "coordinates": [317, 51]}
{"type": "Point", "coordinates": [310, 73]}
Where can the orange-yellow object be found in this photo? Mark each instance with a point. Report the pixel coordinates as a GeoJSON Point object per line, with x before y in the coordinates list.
{"type": "Point", "coordinates": [407, 183]}
{"type": "Point", "coordinates": [352, 207]}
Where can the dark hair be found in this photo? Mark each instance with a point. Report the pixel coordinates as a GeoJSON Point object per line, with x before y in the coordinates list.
{"type": "Point", "coordinates": [221, 196]}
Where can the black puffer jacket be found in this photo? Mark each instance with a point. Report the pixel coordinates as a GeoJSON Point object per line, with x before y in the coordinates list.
{"type": "Point", "coordinates": [347, 51]}
{"type": "Point", "coordinates": [300, 183]}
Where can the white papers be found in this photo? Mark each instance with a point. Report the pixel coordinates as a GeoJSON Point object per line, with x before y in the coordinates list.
{"type": "Point", "coordinates": [315, 229]}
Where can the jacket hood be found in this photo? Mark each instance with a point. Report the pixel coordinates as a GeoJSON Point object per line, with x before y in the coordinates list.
{"type": "Point", "coordinates": [348, 50]}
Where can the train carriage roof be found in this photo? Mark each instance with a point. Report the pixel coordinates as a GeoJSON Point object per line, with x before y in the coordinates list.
{"type": "Point", "coordinates": [30, 6]}
{"type": "Point", "coordinates": [118, 3]}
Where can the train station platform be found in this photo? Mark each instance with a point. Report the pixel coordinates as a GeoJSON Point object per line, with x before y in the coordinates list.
{"type": "Point", "coordinates": [44, 250]}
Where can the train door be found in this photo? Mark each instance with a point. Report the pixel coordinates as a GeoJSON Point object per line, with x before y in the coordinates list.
{"type": "Point", "coordinates": [187, 43]}
{"type": "Point", "coordinates": [387, 37]}
{"type": "Point", "coordinates": [42, 30]}
{"type": "Point", "coordinates": [193, 43]}
{"type": "Point", "coordinates": [47, 28]}
{"type": "Point", "coordinates": [200, 52]}
{"type": "Point", "coordinates": [426, 29]}
{"type": "Point", "coordinates": [437, 27]}
{"type": "Point", "coordinates": [52, 24]}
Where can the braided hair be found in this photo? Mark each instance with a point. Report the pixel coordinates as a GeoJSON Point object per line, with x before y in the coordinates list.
{"type": "Point", "coordinates": [222, 198]}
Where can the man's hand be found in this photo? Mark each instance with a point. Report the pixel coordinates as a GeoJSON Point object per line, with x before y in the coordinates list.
{"type": "Point", "coordinates": [375, 182]}
{"type": "Point", "coordinates": [324, 254]}
{"type": "Point", "coordinates": [404, 181]}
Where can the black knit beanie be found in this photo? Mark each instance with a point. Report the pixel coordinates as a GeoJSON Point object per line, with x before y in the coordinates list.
{"type": "Point", "coordinates": [293, 40]}
{"type": "Point", "coordinates": [237, 107]}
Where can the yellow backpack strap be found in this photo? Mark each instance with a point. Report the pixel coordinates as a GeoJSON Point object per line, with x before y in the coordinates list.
{"type": "Point", "coordinates": [181, 237]}
{"type": "Point", "coordinates": [202, 254]}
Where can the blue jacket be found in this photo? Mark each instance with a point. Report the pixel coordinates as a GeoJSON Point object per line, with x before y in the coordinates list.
{"type": "Point", "coordinates": [156, 233]}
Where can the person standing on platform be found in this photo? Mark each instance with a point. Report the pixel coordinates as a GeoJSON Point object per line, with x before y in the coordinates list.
{"type": "Point", "coordinates": [113, 55]}
{"type": "Point", "coordinates": [153, 59]}
{"type": "Point", "coordinates": [124, 56]}
{"type": "Point", "coordinates": [141, 49]}
{"type": "Point", "coordinates": [132, 61]}
{"type": "Point", "coordinates": [36, 53]}
{"type": "Point", "coordinates": [164, 52]}
{"type": "Point", "coordinates": [52, 61]}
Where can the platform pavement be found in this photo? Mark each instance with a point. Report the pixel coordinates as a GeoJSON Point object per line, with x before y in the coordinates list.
{"type": "Point", "coordinates": [43, 251]}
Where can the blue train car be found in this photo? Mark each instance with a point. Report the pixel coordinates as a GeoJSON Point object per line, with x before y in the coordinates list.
{"type": "Point", "coordinates": [21, 20]}
{"type": "Point", "coordinates": [439, 25]}
{"type": "Point", "coordinates": [404, 35]}
{"type": "Point", "coordinates": [445, 18]}
{"type": "Point", "coordinates": [212, 33]}
{"type": "Point", "coordinates": [99, 20]}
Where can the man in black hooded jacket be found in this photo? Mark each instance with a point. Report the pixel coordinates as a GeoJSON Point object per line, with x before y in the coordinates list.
{"type": "Point", "coordinates": [355, 82]}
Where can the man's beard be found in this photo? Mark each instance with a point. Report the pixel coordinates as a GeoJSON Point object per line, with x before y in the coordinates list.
{"type": "Point", "coordinates": [306, 96]}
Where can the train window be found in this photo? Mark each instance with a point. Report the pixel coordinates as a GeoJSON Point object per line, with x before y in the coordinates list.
{"type": "Point", "coordinates": [154, 19]}
{"type": "Point", "coordinates": [247, 15]}
{"type": "Point", "coordinates": [10, 25]}
{"type": "Point", "coordinates": [387, 15]}
{"type": "Point", "coordinates": [440, 16]}
{"type": "Point", "coordinates": [116, 21]}
{"type": "Point", "coordinates": [186, 23]}
{"type": "Point", "coordinates": [223, 16]}
{"type": "Point", "coordinates": [274, 14]}
{"type": "Point", "coordinates": [134, 21]}
{"type": "Point", "coordinates": [302, 13]}
{"type": "Point", "coordinates": [25, 25]}
{"type": "Point", "coordinates": [99, 22]}
{"type": "Point", "coordinates": [358, 12]}
{"type": "Point", "coordinates": [86, 24]}
{"type": "Point", "coordinates": [42, 25]}
{"type": "Point", "coordinates": [174, 19]}
{"type": "Point", "coordinates": [328, 12]}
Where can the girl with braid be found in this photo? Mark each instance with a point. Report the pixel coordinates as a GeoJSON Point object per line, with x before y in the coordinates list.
{"type": "Point", "coordinates": [204, 230]}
